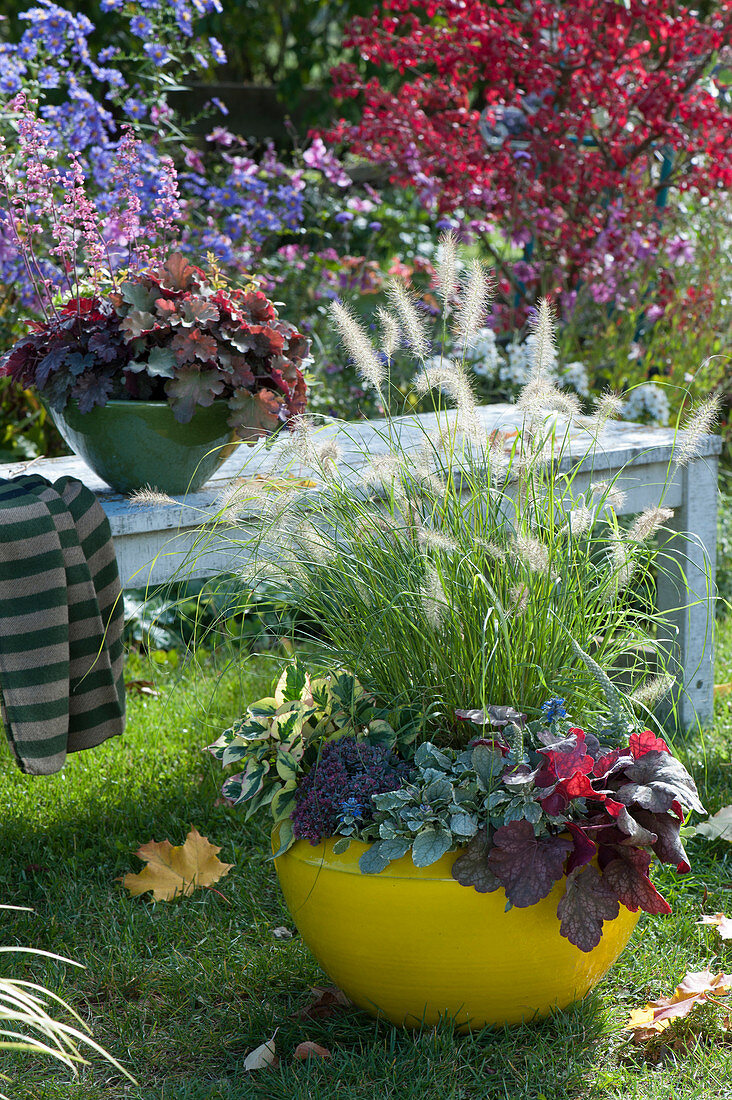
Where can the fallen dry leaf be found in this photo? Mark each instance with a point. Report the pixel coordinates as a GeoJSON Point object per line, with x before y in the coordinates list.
{"type": "Point", "coordinates": [306, 1050]}
{"type": "Point", "coordinates": [262, 1056]}
{"type": "Point", "coordinates": [142, 687]}
{"type": "Point", "coordinates": [282, 933]}
{"type": "Point", "coordinates": [694, 989]}
{"type": "Point", "coordinates": [718, 827]}
{"type": "Point", "coordinates": [176, 871]}
{"type": "Point", "coordinates": [722, 923]}
{"type": "Point", "coordinates": [722, 689]}
{"type": "Point", "coordinates": [325, 1003]}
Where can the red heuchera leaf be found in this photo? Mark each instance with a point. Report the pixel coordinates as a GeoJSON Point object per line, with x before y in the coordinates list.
{"type": "Point", "coordinates": [194, 344]}
{"type": "Point", "coordinates": [177, 274]}
{"type": "Point", "coordinates": [572, 758]}
{"type": "Point", "coordinates": [588, 902]}
{"type": "Point", "coordinates": [255, 414]}
{"type": "Point", "coordinates": [527, 866]}
{"type": "Point", "coordinates": [633, 888]}
{"type": "Point", "coordinates": [605, 764]}
{"type": "Point", "coordinates": [584, 848]}
{"type": "Point", "coordinates": [641, 743]}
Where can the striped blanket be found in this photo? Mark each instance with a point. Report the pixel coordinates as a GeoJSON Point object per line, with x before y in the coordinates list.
{"type": "Point", "coordinates": [61, 618]}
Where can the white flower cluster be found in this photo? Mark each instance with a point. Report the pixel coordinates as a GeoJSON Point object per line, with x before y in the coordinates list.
{"type": "Point", "coordinates": [648, 404]}
{"type": "Point", "coordinates": [512, 369]}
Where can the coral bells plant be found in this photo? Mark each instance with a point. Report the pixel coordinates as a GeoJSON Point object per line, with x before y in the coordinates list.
{"type": "Point", "coordinates": [129, 319]}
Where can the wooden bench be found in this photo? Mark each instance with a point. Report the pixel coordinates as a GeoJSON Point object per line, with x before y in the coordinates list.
{"type": "Point", "coordinates": [155, 544]}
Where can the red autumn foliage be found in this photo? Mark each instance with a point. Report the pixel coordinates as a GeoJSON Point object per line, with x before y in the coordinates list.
{"type": "Point", "coordinates": [592, 109]}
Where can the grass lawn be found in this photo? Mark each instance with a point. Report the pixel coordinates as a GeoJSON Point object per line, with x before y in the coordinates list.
{"type": "Point", "coordinates": [181, 992]}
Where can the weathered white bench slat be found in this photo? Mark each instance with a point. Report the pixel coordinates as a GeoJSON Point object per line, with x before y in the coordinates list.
{"type": "Point", "coordinates": [156, 543]}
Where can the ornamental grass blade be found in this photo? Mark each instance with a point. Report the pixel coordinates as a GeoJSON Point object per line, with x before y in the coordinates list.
{"type": "Point", "coordinates": [173, 872]}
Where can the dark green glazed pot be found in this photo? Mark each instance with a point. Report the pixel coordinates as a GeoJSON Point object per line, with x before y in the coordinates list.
{"type": "Point", "coordinates": [131, 444]}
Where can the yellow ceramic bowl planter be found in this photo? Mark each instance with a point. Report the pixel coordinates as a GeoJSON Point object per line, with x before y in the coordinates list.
{"type": "Point", "coordinates": [414, 946]}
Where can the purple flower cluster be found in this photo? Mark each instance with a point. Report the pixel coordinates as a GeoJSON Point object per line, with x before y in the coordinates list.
{"type": "Point", "coordinates": [342, 781]}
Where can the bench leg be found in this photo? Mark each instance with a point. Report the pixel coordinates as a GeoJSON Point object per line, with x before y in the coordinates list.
{"type": "Point", "coordinates": [686, 594]}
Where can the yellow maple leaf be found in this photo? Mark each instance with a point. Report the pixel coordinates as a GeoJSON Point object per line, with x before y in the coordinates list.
{"type": "Point", "coordinates": [174, 871]}
{"type": "Point", "coordinates": [694, 988]}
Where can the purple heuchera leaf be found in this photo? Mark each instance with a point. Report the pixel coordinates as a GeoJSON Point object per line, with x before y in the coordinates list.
{"type": "Point", "coordinates": [584, 848]}
{"type": "Point", "coordinates": [192, 387]}
{"type": "Point", "coordinates": [471, 867]}
{"type": "Point", "coordinates": [92, 389]}
{"type": "Point", "coordinates": [497, 717]}
{"type": "Point", "coordinates": [631, 884]}
{"type": "Point", "coordinates": [588, 902]}
{"type": "Point", "coordinates": [667, 846]}
{"type": "Point", "coordinates": [527, 866]}
{"type": "Point", "coordinates": [657, 780]}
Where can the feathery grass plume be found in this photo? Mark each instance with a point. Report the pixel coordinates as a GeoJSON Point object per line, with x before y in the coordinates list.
{"type": "Point", "coordinates": [700, 422]}
{"type": "Point", "coordinates": [385, 472]}
{"type": "Point", "coordinates": [329, 456]}
{"type": "Point", "coordinates": [434, 601]}
{"type": "Point", "coordinates": [611, 496]}
{"type": "Point", "coordinates": [148, 497]}
{"type": "Point", "coordinates": [437, 540]}
{"type": "Point", "coordinates": [241, 496]}
{"type": "Point", "coordinates": [532, 553]}
{"type": "Point", "coordinates": [648, 523]}
{"type": "Point", "coordinates": [540, 397]}
{"type": "Point", "coordinates": [423, 475]}
{"type": "Point", "coordinates": [491, 549]}
{"type": "Point", "coordinates": [474, 301]}
{"type": "Point", "coordinates": [309, 538]}
{"type": "Point", "coordinates": [447, 281]}
{"type": "Point", "coordinates": [608, 406]}
{"type": "Point", "coordinates": [388, 331]}
{"type": "Point", "coordinates": [358, 345]}
{"type": "Point", "coordinates": [413, 325]}
{"type": "Point", "coordinates": [519, 599]}
{"type": "Point", "coordinates": [300, 442]}
{"type": "Point", "coordinates": [648, 694]}
{"type": "Point", "coordinates": [623, 561]}
{"type": "Point", "coordinates": [544, 349]}
{"type": "Point", "coordinates": [579, 521]}
{"type": "Point", "coordinates": [453, 381]}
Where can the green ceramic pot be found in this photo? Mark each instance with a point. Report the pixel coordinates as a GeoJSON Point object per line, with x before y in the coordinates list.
{"type": "Point", "coordinates": [131, 444]}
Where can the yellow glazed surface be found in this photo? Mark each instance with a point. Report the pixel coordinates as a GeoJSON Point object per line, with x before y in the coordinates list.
{"type": "Point", "coordinates": [414, 946]}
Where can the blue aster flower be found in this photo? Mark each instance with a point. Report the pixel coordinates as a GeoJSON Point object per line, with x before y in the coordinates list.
{"type": "Point", "coordinates": [156, 51]}
{"type": "Point", "coordinates": [141, 26]}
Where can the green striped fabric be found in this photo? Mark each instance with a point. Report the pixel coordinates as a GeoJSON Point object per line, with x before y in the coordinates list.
{"type": "Point", "coordinates": [61, 619]}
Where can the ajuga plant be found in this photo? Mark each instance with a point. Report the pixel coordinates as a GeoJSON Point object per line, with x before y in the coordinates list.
{"type": "Point", "coordinates": [449, 568]}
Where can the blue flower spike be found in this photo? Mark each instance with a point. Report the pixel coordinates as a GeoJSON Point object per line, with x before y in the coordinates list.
{"type": "Point", "coordinates": [554, 709]}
